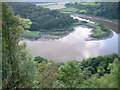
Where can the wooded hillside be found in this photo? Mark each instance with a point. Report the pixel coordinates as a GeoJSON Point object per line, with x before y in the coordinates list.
{"type": "Point", "coordinates": [42, 19]}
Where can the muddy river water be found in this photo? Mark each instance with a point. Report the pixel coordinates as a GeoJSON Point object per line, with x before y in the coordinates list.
{"type": "Point", "coordinates": [73, 46]}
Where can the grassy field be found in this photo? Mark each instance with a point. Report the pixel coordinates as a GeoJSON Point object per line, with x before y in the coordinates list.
{"type": "Point", "coordinates": [72, 10]}
{"type": "Point", "coordinates": [57, 33]}
{"type": "Point", "coordinates": [46, 5]}
{"type": "Point", "coordinates": [32, 34]}
{"type": "Point", "coordinates": [75, 10]}
{"type": "Point", "coordinates": [37, 34]}
{"type": "Point", "coordinates": [69, 10]}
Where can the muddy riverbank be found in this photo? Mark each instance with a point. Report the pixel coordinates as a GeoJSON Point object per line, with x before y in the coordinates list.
{"type": "Point", "coordinates": [109, 24]}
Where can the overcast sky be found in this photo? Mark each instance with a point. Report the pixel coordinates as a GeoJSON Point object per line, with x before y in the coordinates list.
{"type": "Point", "coordinates": [60, 0]}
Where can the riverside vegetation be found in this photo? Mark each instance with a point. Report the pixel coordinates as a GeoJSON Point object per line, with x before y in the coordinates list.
{"type": "Point", "coordinates": [52, 22]}
{"type": "Point", "coordinates": [20, 70]}
{"type": "Point", "coordinates": [109, 10]}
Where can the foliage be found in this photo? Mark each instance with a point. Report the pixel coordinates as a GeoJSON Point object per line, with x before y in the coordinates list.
{"type": "Point", "coordinates": [70, 74]}
{"type": "Point", "coordinates": [99, 30]}
{"type": "Point", "coordinates": [40, 59]}
{"type": "Point", "coordinates": [17, 65]}
{"type": "Point", "coordinates": [46, 75]}
{"type": "Point", "coordinates": [97, 64]}
{"type": "Point", "coordinates": [89, 73]}
{"type": "Point", "coordinates": [84, 22]}
{"type": "Point", "coordinates": [90, 3]}
{"type": "Point", "coordinates": [57, 33]}
{"type": "Point", "coordinates": [32, 34]}
{"type": "Point", "coordinates": [103, 9]}
{"type": "Point", "coordinates": [106, 81]}
{"type": "Point", "coordinates": [112, 77]}
{"type": "Point", "coordinates": [69, 10]}
{"type": "Point", "coordinates": [42, 19]}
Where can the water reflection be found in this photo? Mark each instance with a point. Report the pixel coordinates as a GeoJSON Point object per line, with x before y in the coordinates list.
{"type": "Point", "coordinates": [73, 46]}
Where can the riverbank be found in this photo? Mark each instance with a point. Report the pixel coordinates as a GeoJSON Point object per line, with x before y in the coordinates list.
{"type": "Point", "coordinates": [53, 37]}
{"type": "Point", "coordinates": [102, 38]}
{"type": "Point", "coordinates": [99, 32]}
{"type": "Point", "coordinates": [34, 35]}
{"type": "Point", "coordinates": [72, 46]}
{"type": "Point", "coordinates": [106, 22]}
{"type": "Point", "coordinates": [72, 11]}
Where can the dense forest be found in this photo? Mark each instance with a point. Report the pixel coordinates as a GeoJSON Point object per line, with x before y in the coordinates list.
{"type": "Point", "coordinates": [94, 72]}
{"type": "Point", "coordinates": [108, 10]}
{"type": "Point", "coordinates": [20, 70]}
{"type": "Point", "coordinates": [42, 19]}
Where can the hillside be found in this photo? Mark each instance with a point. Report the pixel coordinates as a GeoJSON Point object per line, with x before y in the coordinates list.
{"type": "Point", "coordinates": [43, 19]}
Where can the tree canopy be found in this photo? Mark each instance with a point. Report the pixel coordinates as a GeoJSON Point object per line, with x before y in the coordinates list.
{"type": "Point", "coordinates": [42, 19]}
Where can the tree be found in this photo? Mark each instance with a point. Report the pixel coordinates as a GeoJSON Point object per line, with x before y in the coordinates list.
{"type": "Point", "coordinates": [102, 9]}
{"type": "Point", "coordinates": [46, 75]}
{"type": "Point", "coordinates": [43, 19]}
{"type": "Point", "coordinates": [70, 75]}
{"type": "Point", "coordinates": [40, 59]}
{"type": "Point", "coordinates": [110, 80]}
{"type": "Point", "coordinates": [16, 62]}
{"type": "Point", "coordinates": [106, 81]}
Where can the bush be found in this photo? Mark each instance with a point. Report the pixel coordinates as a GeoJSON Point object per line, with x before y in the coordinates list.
{"type": "Point", "coordinates": [84, 21]}
{"type": "Point", "coordinates": [40, 59]}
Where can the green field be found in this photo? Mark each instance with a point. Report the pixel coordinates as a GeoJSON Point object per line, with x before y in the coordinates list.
{"type": "Point", "coordinates": [32, 34]}
{"type": "Point", "coordinates": [57, 33]}
{"type": "Point", "coordinates": [72, 10]}
{"type": "Point", "coordinates": [37, 34]}
{"type": "Point", "coordinates": [46, 5]}
{"type": "Point", "coordinates": [69, 10]}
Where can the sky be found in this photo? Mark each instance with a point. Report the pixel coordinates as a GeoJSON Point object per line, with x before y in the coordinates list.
{"type": "Point", "coordinates": [60, 0]}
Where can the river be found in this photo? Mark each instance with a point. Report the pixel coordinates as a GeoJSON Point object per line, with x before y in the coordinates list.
{"type": "Point", "coordinates": [73, 46]}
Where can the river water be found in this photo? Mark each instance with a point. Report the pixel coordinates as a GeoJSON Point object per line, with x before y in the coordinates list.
{"type": "Point", "coordinates": [73, 46]}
